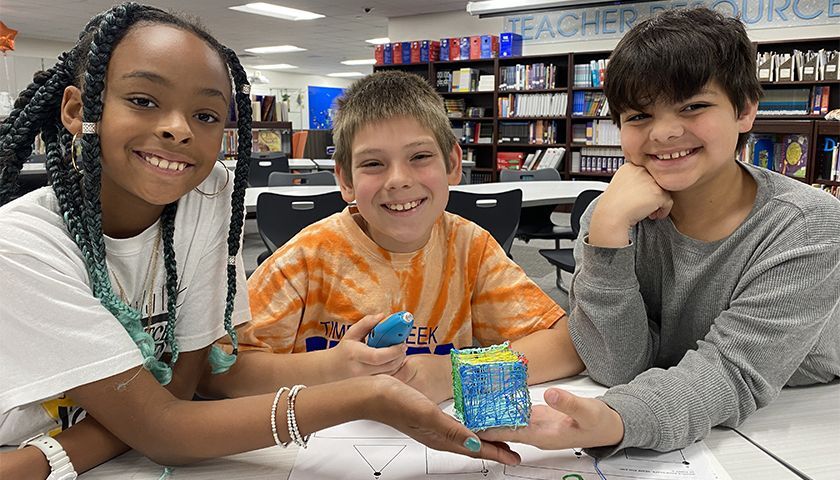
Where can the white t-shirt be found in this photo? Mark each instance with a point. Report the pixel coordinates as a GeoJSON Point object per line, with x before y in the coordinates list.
{"type": "Point", "coordinates": [56, 335]}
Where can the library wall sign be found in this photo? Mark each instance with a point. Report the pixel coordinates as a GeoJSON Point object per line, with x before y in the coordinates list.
{"type": "Point", "coordinates": [612, 21]}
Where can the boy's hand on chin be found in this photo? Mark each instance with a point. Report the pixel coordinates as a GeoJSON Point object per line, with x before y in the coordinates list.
{"type": "Point", "coordinates": [568, 421]}
{"type": "Point", "coordinates": [429, 374]}
{"type": "Point", "coordinates": [632, 196]}
{"type": "Point", "coordinates": [352, 357]}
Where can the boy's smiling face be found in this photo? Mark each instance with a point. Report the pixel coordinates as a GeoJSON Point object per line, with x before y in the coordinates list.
{"type": "Point", "coordinates": [686, 144]}
{"type": "Point", "coordinates": [399, 182]}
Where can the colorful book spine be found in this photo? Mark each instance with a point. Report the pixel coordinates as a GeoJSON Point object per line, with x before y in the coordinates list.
{"type": "Point", "coordinates": [444, 49]}
{"type": "Point", "coordinates": [415, 52]}
{"type": "Point", "coordinates": [406, 53]}
{"type": "Point", "coordinates": [510, 45]}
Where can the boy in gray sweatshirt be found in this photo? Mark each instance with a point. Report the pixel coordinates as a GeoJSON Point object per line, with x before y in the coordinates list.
{"type": "Point", "coordinates": [703, 285]}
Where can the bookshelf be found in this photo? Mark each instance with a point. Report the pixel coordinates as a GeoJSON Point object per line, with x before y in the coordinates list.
{"type": "Point", "coordinates": [586, 133]}
{"type": "Point", "coordinates": [265, 137]}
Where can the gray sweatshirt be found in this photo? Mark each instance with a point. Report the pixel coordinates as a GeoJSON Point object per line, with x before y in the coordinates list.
{"type": "Point", "coordinates": [693, 334]}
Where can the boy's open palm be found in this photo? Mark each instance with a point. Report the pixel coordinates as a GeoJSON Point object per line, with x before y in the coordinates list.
{"type": "Point", "coordinates": [568, 421]}
{"type": "Point", "coordinates": [352, 357]}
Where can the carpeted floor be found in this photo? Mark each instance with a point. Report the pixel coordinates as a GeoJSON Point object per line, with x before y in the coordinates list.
{"type": "Point", "coordinates": [525, 254]}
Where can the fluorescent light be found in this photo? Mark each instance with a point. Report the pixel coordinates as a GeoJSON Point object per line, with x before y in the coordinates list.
{"type": "Point", "coordinates": [275, 49]}
{"type": "Point", "coordinates": [364, 61]}
{"type": "Point", "coordinates": [276, 66]}
{"type": "Point", "coordinates": [276, 11]}
{"type": "Point", "coordinates": [346, 74]}
{"type": "Point", "coordinates": [378, 41]}
{"type": "Point", "coordinates": [500, 8]}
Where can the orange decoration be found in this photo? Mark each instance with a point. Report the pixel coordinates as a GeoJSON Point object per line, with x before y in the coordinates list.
{"type": "Point", "coordinates": [7, 38]}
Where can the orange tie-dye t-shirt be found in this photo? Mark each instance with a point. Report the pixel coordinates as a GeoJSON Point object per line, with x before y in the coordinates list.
{"type": "Point", "coordinates": [460, 286]}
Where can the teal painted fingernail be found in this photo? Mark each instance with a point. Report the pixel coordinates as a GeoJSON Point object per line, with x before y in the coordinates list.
{"type": "Point", "coordinates": [473, 444]}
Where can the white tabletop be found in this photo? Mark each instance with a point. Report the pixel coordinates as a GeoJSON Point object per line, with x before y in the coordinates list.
{"type": "Point", "coordinates": [533, 193]}
{"type": "Point", "coordinates": [740, 459]}
{"type": "Point", "coordinates": [802, 427]}
{"type": "Point", "coordinates": [294, 163]}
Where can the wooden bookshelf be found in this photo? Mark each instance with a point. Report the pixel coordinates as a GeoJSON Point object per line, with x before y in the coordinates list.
{"type": "Point", "coordinates": [811, 125]}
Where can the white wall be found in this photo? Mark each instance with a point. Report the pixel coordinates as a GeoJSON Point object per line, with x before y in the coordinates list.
{"type": "Point", "coordinates": [435, 26]}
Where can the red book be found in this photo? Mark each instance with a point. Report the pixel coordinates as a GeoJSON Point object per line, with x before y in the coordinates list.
{"type": "Point", "coordinates": [379, 54]}
{"type": "Point", "coordinates": [455, 49]}
{"type": "Point", "coordinates": [397, 47]}
{"type": "Point", "coordinates": [475, 47]}
{"type": "Point", "coordinates": [415, 52]}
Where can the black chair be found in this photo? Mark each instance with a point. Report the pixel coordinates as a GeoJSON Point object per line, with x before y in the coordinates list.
{"type": "Point", "coordinates": [284, 179]}
{"type": "Point", "coordinates": [563, 259]}
{"type": "Point", "coordinates": [262, 164]}
{"type": "Point", "coordinates": [535, 222]}
{"type": "Point", "coordinates": [281, 217]}
{"type": "Point", "coordinates": [498, 213]}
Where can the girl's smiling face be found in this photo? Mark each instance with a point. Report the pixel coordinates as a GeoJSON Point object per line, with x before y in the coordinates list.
{"type": "Point", "coordinates": [165, 102]}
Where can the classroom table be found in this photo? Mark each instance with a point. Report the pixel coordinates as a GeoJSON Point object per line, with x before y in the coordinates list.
{"type": "Point", "coordinates": [533, 193]}
{"type": "Point", "coordinates": [739, 458]}
{"type": "Point", "coordinates": [300, 164]}
{"type": "Point", "coordinates": [802, 428]}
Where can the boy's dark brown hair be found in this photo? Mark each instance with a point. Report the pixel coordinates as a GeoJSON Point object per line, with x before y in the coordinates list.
{"type": "Point", "coordinates": [381, 97]}
{"type": "Point", "coordinates": [673, 55]}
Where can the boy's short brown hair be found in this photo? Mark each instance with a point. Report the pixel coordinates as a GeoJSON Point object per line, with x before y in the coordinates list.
{"type": "Point", "coordinates": [673, 55]}
{"type": "Point", "coordinates": [383, 96]}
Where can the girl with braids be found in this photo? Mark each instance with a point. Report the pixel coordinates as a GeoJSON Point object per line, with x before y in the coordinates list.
{"type": "Point", "coordinates": [118, 277]}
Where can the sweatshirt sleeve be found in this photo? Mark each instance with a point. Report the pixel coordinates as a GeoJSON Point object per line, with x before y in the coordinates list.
{"type": "Point", "coordinates": [609, 323]}
{"type": "Point", "coordinates": [781, 307]}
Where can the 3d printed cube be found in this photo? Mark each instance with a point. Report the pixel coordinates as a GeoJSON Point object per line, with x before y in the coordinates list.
{"type": "Point", "coordinates": [490, 387]}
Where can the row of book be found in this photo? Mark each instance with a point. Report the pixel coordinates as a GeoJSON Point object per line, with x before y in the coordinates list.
{"type": "Point", "coordinates": [783, 153]}
{"type": "Point", "coordinates": [533, 105]}
{"type": "Point", "coordinates": [820, 96]}
{"type": "Point", "coordinates": [474, 132]}
{"type": "Point", "coordinates": [537, 76]}
{"type": "Point", "coordinates": [798, 66]}
{"type": "Point", "coordinates": [262, 140]}
{"type": "Point", "coordinates": [448, 49]}
{"type": "Point", "coordinates": [597, 160]}
{"type": "Point", "coordinates": [785, 101]}
{"type": "Point", "coordinates": [590, 104]}
{"type": "Point", "coordinates": [481, 177]}
{"type": "Point", "coordinates": [464, 80]}
{"type": "Point", "coordinates": [506, 44]}
{"type": "Point", "coordinates": [548, 158]}
{"type": "Point", "coordinates": [403, 53]}
{"type": "Point", "coordinates": [597, 132]}
{"type": "Point", "coordinates": [590, 74]}
{"type": "Point", "coordinates": [534, 132]}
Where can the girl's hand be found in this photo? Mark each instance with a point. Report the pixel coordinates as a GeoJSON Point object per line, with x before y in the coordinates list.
{"type": "Point", "coordinates": [410, 412]}
{"type": "Point", "coordinates": [353, 358]}
{"type": "Point", "coordinates": [568, 421]}
{"type": "Point", "coordinates": [430, 374]}
{"type": "Point", "coordinates": [632, 195]}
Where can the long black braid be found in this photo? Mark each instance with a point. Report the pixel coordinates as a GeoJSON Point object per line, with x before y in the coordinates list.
{"type": "Point", "coordinates": [37, 110]}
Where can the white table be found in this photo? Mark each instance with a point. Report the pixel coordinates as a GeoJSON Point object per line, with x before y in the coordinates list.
{"type": "Point", "coordinates": [533, 193]}
{"type": "Point", "coordinates": [739, 458]}
{"type": "Point", "coordinates": [303, 164]}
{"type": "Point", "coordinates": [802, 427]}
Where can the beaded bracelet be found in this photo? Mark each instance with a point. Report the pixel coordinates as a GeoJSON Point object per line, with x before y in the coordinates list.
{"type": "Point", "coordinates": [291, 420]}
{"type": "Point", "coordinates": [274, 417]}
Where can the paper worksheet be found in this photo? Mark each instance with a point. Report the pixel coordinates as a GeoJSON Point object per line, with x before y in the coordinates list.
{"type": "Point", "coordinates": [368, 450]}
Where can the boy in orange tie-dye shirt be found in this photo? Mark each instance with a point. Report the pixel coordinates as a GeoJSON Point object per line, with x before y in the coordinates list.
{"type": "Point", "coordinates": [397, 249]}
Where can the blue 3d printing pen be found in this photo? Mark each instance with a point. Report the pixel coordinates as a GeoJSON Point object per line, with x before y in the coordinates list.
{"type": "Point", "coordinates": [391, 331]}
